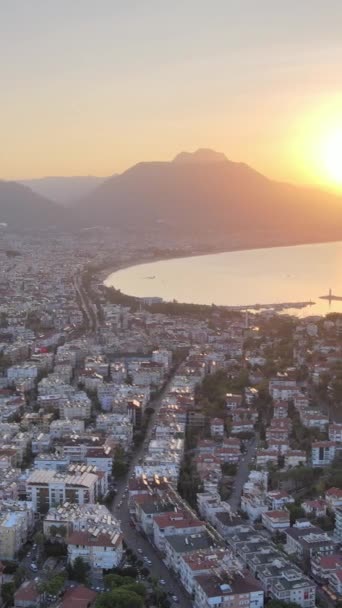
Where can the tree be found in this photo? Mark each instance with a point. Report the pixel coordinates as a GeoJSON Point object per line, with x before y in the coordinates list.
{"type": "Point", "coordinates": [119, 598]}
{"type": "Point", "coordinates": [55, 549]}
{"type": "Point", "coordinates": [112, 581]}
{"type": "Point", "coordinates": [138, 588]}
{"type": "Point", "coordinates": [280, 604]}
{"type": "Point", "coordinates": [19, 576]}
{"type": "Point", "coordinates": [54, 586]}
{"type": "Point", "coordinates": [79, 570]}
{"type": "Point", "coordinates": [7, 593]}
{"type": "Point", "coordinates": [53, 530]}
{"type": "Point", "coordinates": [39, 538]}
{"type": "Point", "coordinates": [296, 512]}
{"type": "Point", "coordinates": [58, 531]}
{"type": "Point", "coordinates": [120, 465]}
{"type": "Point", "coordinates": [229, 468]}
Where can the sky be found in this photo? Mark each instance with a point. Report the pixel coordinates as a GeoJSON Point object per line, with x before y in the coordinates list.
{"type": "Point", "coordinates": [93, 87]}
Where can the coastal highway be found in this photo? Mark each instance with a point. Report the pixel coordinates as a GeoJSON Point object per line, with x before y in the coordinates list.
{"type": "Point", "coordinates": [87, 306]}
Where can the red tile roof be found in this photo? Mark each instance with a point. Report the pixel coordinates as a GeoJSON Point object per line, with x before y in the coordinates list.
{"type": "Point", "coordinates": [78, 597]}
{"type": "Point", "coordinates": [27, 592]}
{"type": "Point", "coordinates": [89, 540]}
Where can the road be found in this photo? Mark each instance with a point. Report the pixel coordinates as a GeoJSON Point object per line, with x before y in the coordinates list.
{"type": "Point", "coordinates": [324, 597]}
{"type": "Point", "coordinates": [87, 306]}
{"type": "Point", "coordinates": [132, 536]}
{"type": "Point", "coordinates": [242, 474]}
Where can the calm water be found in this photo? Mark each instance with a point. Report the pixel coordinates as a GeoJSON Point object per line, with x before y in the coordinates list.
{"type": "Point", "coordinates": [261, 276]}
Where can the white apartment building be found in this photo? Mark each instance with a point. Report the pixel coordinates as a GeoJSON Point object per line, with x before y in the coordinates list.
{"type": "Point", "coordinates": [282, 389]}
{"type": "Point", "coordinates": [333, 497]}
{"type": "Point", "coordinates": [60, 428]}
{"type": "Point", "coordinates": [175, 522]}
{"type": "Point", "coordinates": [22, 372]}
{"type": "Point", "coordinates": [323, 453]}
{"type": "Point", "coordinates": [226, 591]}
{"type": "Point", "coordinates": [335, 432]}
{"type": "Point", "coordinates": [48, 488]}
{"type": "Point", "coordinates": [293, 586]}
{"type": "Point", "coordinates": [16, 523]}
{"type": "Point", "coordinates": [294, 458]}
{"type": "Point", "coordinates": [76, 409]}
{"type": "Point", "coordinates": [101, 550]}
{"type": "Point", "coordinates": [275, 521]}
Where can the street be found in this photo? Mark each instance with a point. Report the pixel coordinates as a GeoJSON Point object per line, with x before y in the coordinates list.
{"type": "Point", "coordinates": [133, 537]}
{"type": "Point", "coordinates": [242, 475]}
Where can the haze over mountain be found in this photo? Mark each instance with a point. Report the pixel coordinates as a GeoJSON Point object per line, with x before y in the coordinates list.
{"type": "Point", "coordinates": [22, 209]}
{"type": "Point", "coordinates": [65, 190]}
{"type": "Point", "coordinates": [206, 194]}
{"type": "Point", "coordinates": [202, 196]}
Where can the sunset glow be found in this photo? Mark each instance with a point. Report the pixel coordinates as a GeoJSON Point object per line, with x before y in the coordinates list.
{"type": "Point", "coordinates": [332, 156]}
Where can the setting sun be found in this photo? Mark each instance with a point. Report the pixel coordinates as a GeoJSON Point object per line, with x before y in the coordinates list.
{"type": "Point", "coordinates": [332, 156]}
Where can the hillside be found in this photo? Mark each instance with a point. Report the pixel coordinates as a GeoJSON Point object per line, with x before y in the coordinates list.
{"type": "Point", "coordinates": [207, 195]}
{"type": "Point", "coordinates": [65, 190]}
{"type": "Point", "coordinates": [22, 209]}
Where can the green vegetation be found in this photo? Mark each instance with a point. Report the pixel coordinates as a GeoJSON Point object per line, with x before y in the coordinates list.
{"type": "Point", "coordinates": [115, 296]}
{"type": "Point", "coordinates": [302, 437]}
{"type": "Point", "coordinates": [122, 591]}
{"type": "Point", "coordinates": [58, 531]}
{"type": "Point", "coordinates": [189, 483]}
{"type": "Point", "coordinates": [296, 512]}
{"type": "Point", "coordinates": [39, 538]}
{"type": "Point", "coordinates": [120, 465]}
{"type": "Point", "coordinates": [7, 593]}
{"type": "Point", "coordinates": [298, 478]}
{"type": "Point", "coordinates": [229, 469]}
{"type": "Point", "coordinates": [211, 394]}
{"type": "Point", "coordinates": [79, 570]}
{"type": "Point", "coordinates": [55, 549]}
{"type": "Point", "coordinates": [119, 598]}
{"type": "Point", "coordinates": [280, 604]}
{"type": "Point", "coordinates": [53, 586]}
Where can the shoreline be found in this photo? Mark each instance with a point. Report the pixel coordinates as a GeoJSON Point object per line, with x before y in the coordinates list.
{"type": "Point", "coordinates": [135, 262]}
{"type": "Point", "coordinates": [110, 269]}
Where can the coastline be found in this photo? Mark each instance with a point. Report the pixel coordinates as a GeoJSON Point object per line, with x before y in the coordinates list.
{"type": "Point", "coordinates": [112, 268]}
{"type": "Point", "coordinates": [109, 269]}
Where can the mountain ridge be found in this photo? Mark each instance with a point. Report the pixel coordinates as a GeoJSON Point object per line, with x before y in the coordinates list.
{"type": "Point", "coordinates": [218, 197]}
{"type": "Point", "coordinates": [202, 195]}
{"type": "Point", "coordinates": [63, 189]}
{"type": "Point", "coordinates": [21, 208]}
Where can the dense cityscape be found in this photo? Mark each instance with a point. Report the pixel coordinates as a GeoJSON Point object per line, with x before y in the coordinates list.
{"type": "Point", "coordinates": [161, 454]}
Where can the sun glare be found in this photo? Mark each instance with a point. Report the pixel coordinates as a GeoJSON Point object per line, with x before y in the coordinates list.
{"type": "Point", "coordinates": [332, 156]}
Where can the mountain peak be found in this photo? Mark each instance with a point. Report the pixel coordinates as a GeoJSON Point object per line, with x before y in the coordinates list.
{"type": "Point", "coordinates": [200, 156]}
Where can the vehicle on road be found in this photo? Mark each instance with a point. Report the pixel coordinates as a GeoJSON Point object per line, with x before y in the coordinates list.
{"type": "Point", "coordinates": [34, 567]}
{"type": "Point", "coordinates": [162, 582]}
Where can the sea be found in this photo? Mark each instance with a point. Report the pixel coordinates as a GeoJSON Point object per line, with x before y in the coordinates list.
{"type": "Point", "coordinates": [255, 278]}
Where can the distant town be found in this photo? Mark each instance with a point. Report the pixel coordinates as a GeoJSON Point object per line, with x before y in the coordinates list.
{"type": "Point", "coordinates": [160, 454]}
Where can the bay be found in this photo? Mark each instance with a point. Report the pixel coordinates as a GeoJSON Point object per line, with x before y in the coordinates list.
{"type": "Point", "coordinates": [243, 278]}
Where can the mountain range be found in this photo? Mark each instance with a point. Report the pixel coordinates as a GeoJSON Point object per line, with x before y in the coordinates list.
{"type": "Point", "coordinates": [65, 190]}
{"type": "Point", "coordinates": [201, 195]}
{"type": "Point", "coordinates": [21, 208]}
